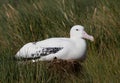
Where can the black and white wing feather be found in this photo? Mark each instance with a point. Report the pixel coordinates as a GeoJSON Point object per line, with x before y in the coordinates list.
{"type": "Point", "coordinates": [41, 52]}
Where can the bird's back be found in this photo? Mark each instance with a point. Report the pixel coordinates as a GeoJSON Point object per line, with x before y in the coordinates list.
{"type": "Point", "coordinates": [54, 42]}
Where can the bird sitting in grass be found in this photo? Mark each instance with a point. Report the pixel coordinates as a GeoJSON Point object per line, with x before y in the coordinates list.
{"type": "Point", "coordinates": [73, 48]}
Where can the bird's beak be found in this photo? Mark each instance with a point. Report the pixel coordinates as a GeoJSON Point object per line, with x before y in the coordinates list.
{"type": "Point", "coordinates": [86, 36]}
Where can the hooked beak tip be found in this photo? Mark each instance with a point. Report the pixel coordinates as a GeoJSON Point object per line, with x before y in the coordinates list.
{"type": "Point", "coordinates": [92, 38]}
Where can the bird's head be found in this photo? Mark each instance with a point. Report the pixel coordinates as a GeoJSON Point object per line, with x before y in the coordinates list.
{"type": "Point", "coordinates": [77, 31]}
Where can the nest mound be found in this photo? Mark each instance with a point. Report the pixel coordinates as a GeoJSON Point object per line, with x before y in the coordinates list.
{"type": "Point", "coordinates": [69, 66]}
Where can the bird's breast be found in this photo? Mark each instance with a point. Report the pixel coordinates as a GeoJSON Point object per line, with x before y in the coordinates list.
{"type": "Point", "coordinates": [79, 49]}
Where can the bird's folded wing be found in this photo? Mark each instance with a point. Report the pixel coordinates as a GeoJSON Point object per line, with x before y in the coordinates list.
{"type": "Point", "coordinates": [42, 51]}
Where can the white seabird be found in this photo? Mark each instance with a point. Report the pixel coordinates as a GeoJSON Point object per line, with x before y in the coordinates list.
{"type": "Point", "coordinates": [73, 48]}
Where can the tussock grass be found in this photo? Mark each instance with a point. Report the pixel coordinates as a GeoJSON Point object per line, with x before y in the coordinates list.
{"type": "Point", "coordinates": [25, 21]}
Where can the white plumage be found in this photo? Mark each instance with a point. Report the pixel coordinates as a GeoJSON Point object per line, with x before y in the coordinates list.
{"type": "Point", "coordinates": [72, 48]}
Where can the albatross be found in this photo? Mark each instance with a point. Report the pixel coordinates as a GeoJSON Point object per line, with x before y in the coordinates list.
{"type": "Point", "coordinates": [73, 48]}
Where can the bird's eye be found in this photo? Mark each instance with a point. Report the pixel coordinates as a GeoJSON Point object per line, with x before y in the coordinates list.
{"type": "Point", "coordinates": [76, 29]}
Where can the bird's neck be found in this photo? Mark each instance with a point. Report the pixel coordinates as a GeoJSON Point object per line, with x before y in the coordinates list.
{"type": "Point", "coordinates": [77, 39]}
{"type": "Point", "coordinates": [79, 42]}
